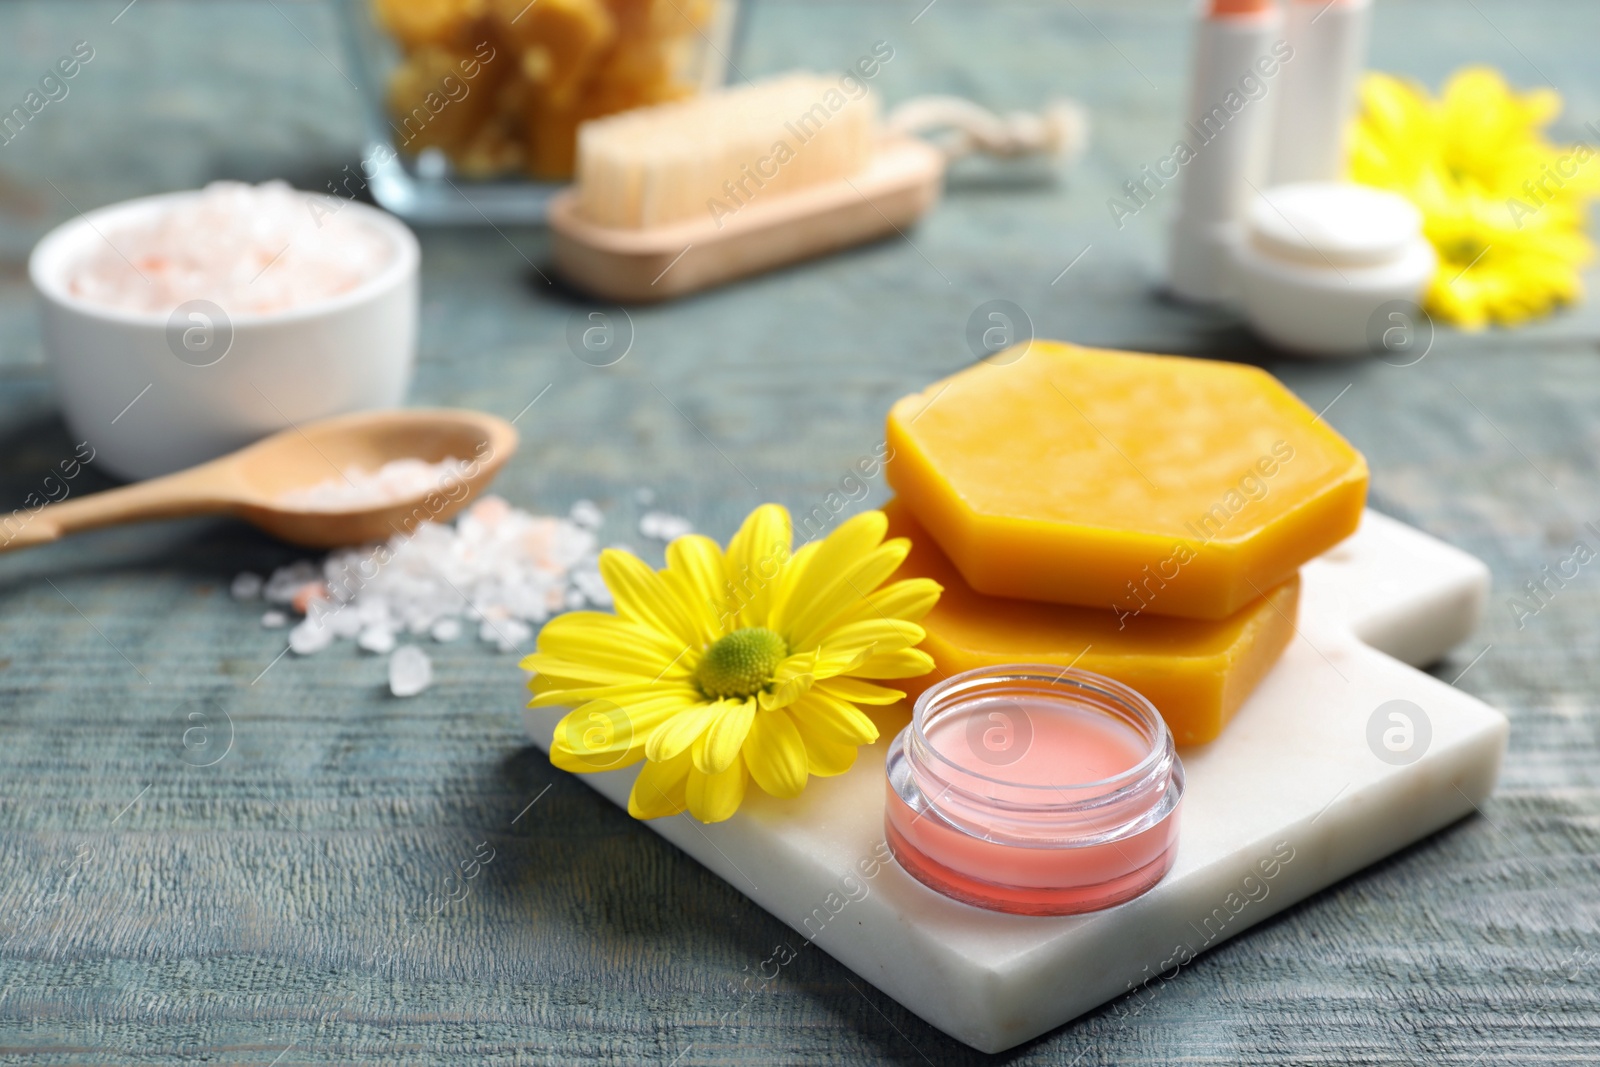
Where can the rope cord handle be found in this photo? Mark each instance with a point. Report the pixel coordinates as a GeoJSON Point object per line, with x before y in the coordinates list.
{"type": "Point", "coordinates": [960, 128]}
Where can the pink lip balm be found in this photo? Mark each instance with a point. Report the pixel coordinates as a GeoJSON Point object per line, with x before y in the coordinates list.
{"type": "Point", "coordinates": [1034, 790]}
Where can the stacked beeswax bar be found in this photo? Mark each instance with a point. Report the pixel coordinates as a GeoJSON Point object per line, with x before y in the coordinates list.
{"type": "Point", "coordinates": [1144, 517]}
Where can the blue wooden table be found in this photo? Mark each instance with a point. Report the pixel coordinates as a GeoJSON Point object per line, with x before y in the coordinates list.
{"type": "Point", "coordinates": [271, 907]}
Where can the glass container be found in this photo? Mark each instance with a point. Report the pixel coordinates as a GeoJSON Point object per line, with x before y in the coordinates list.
{"type": "Point", "coordinates": [473, 105]}
{"type": "Point", "coordinates": [1034, 789]}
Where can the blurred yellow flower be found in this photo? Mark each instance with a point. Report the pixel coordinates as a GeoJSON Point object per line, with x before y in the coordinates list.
{"type": "Point", "coordinates": [727, 668]}
{"type": "Point", "coordinates": [1503, 207]}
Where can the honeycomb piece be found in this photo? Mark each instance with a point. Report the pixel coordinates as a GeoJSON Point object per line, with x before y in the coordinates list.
{"type": "Point", "coordinates": [552, 65]}
{"type": "Point", "coordinates": [435, 102]}
{"type": "Point", "coordinates": [550, 140]}
{"type": "Point", "coordinates": [558, 42]}
{"type": "Point", "coordinates": [661, 19]}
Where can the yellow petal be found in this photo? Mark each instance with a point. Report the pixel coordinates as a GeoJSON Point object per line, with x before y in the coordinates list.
{"type": "Point", "coordinates": [659, 790]}
{"type": "Point", "coordinates": [803, 663]}
{"type": "Point", "coordinates": [857, 691]}
{"type": "Point", "coordinates": [580, 672]}
{"type": "Point", "coordinates": [908, 600]}
{"type": "Point", "coordinates": [837, 553]}
{"type": "Point", "coordinates": [677, 734]}
{"type": "Point", "coordinates": [842, 661]}
{"type": "Point", "coordinates": [695, 570]}
{"type": "Point", "coordinates": [598, 625]}
{"type": "Point", "coordinates": [824, 756]}
{"type": "Point", "coordinates": [715, 797]}
{"type": "Point", "coordinates": [776, 754]}
{"type": "Point", "coordinates": [602, 735]}
{"type": "Point", "coordinates": [755, 562]}
{"type": "Point", "coordinates": [642, 596]}
{"type": "Point", "coordinates": [716, 749]}
{"type": "Point", "coordinates": [849, 588]}
{"type": "Point", "coordinates": [792, 680]}
{"type": "Point", "coordinates": [833, 719]}
{"type": "Point", "coordinates": [883, 635]}
{"type": "Point", "coordinates": [622, 694]}
{"type": "Point", "coordinates": [783, 589]}
{"type": "Point", "coordinates": [543, 683]}
{"type": "Point", "coordinates": [564, 759]}
{"type": "Point", "coordinates": [906, 663]}
{"type": "Point", "coordinates": [615, 649]}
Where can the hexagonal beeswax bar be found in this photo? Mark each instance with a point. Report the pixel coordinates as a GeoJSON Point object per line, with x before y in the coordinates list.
{"type": "Point", "coordinates": [1141, 485]}
{"type": "Point", "coordinates": [1197, 672]}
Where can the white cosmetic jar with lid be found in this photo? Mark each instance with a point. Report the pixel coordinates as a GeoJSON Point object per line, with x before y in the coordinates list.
{"type": "Point", "coordinates": [1320, 259]}
{"type": "Point", "coordinates": [156, 391]}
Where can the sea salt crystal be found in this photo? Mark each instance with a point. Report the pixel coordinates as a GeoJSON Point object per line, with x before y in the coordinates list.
{"type": "Point", "coordinates": [410, 671]}
{"type": "Point", "coordinates": [285, 582]}
{"type": "Point", "coordinates": [355, 488]}
{"type": "Point", "coordinates": [505, 634]}
{"type": "Point", "coordinates": [345, 624]}
{"type": "Point", "coordinates": [379, 639]}
{"type": "Point", "coordinates": [250, 249]}
{"type": "Point", "coordinates": [275, 619]}
{"type": "Point", "coordinates": [664, 527]}
{"type": "Point", "coordinates": [592, 587]}
{"type": "Point", "coordinates": [586, 513]}
{"type": "Point", "coordinates": [246, 585]}
{"type": "Point", "coordinates": [497, 568]}
{"type": "Point", "coordinates": [310, 636]}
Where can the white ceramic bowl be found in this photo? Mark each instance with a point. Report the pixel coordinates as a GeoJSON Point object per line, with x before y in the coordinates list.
{"type": "Point", "coordinates": [154, 393]}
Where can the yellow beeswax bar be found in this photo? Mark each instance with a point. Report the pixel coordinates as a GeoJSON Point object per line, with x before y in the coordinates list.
{"type": "Point", "coordinates": [1138, 485]}
{"type": "Point", "coordinates": [1197, 672]}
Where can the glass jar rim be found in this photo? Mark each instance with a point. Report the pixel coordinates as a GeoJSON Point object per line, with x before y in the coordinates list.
{"type": "Point", "coordinates": [1066, 682]}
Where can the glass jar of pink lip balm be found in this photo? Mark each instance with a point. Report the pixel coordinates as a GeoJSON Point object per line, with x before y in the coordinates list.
{"type": "Point", "coordinates": [1034, 790]}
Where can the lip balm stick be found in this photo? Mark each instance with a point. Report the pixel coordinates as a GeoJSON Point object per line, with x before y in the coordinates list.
{"type": "Point", "coordinates": [1226, 131]}
{"type": "Point", "coordinates": [1317, 91]}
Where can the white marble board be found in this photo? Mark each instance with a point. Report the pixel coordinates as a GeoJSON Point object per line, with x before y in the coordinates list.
{"type": "Point", "coordinates": [1293, 787]}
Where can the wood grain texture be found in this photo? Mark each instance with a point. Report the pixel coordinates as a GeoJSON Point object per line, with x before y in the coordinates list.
{"type": "Point", "coordinates": [275, 907]}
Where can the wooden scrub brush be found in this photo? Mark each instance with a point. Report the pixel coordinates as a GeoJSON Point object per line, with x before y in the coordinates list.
{"type": "Point", "coordinates": [682, 196]}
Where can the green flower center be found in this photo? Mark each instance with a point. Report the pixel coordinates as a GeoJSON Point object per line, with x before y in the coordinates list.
{"type": "Point", "coordinates": [741, 664]}
{"type": "Point", "coordinates": [1465, 250]}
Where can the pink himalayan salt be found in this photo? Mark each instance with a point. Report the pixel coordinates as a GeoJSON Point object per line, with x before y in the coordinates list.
{"type": "Point", "coordinates": [356, 487]}
{"type": "Point", "coordinates": [497, 567]}
{"type": "Point", "coordinates": [250, 249]}
{"type": "Point", "coordinates": [307, 595]}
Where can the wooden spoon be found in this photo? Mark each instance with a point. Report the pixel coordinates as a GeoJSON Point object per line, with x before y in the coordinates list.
{"type": "Point", "coordinates": [251, 482]}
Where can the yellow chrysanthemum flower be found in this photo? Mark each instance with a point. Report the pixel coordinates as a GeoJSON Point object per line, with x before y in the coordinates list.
{"type": "Point", "coordinates": [727, 668]}
{"type": "Point", "coordinates": [1503, 207]}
